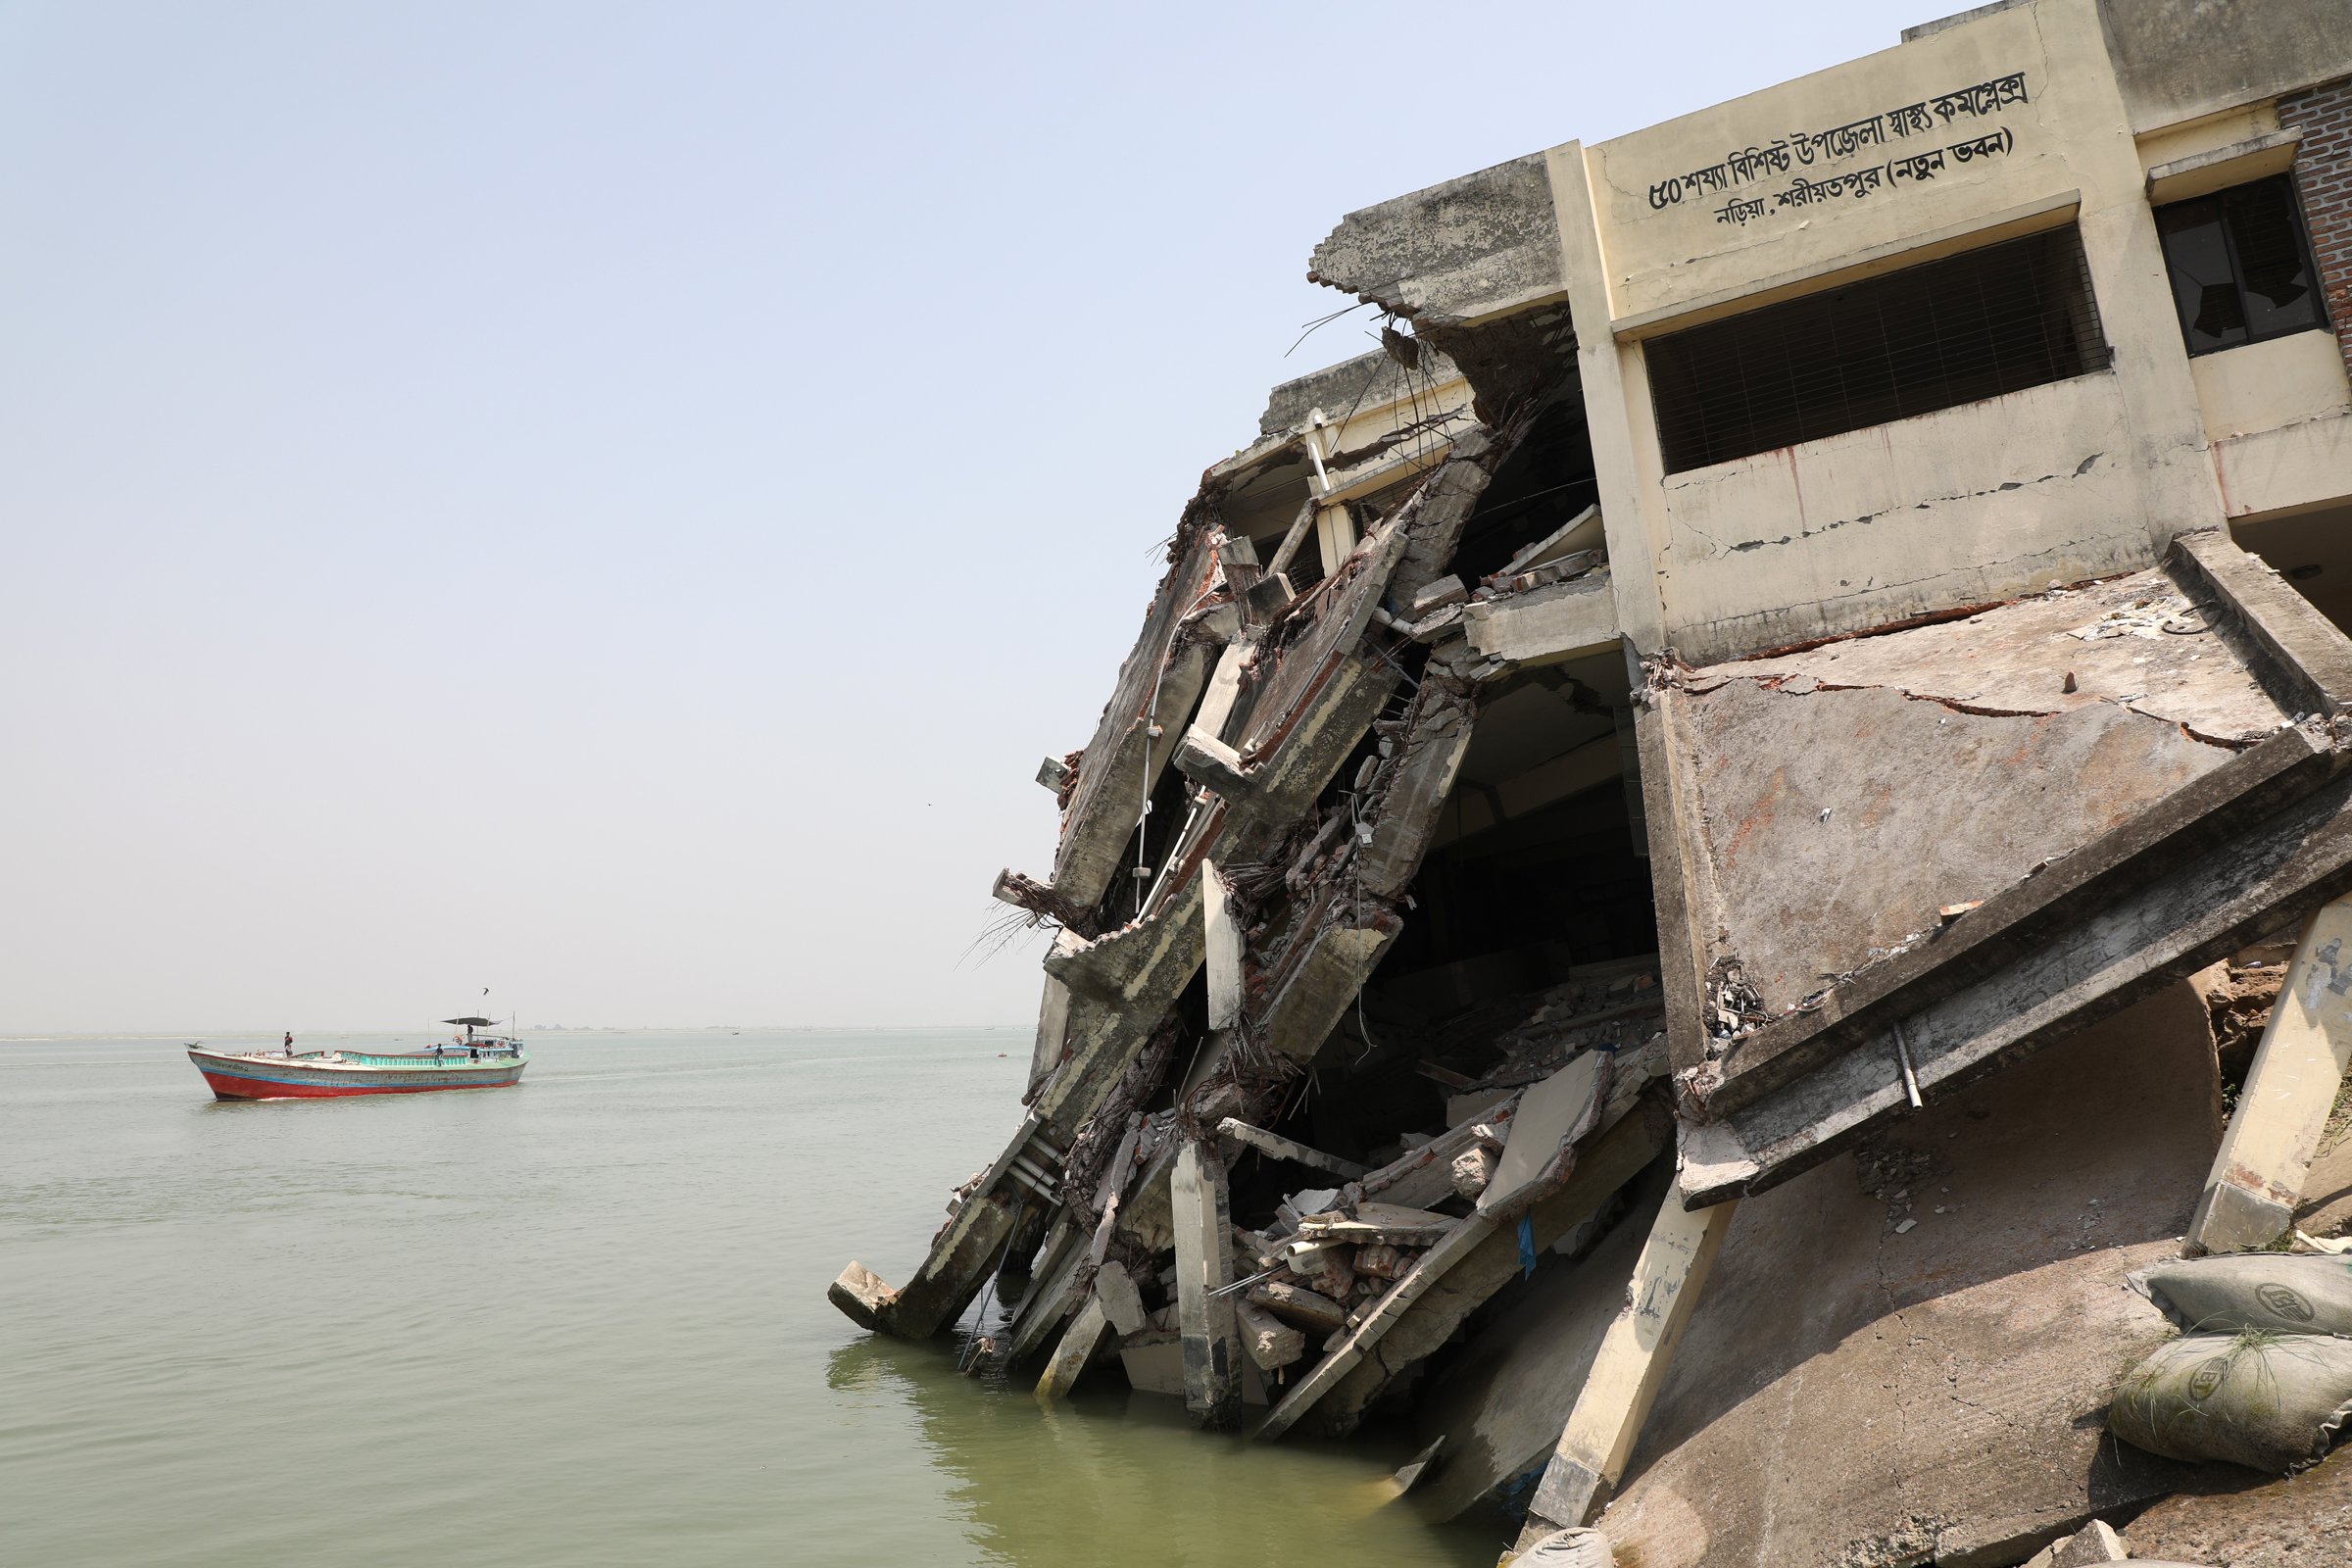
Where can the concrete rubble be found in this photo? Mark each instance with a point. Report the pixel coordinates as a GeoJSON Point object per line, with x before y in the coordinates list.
{"type": "Point", "coordinates": [1701, 1057]}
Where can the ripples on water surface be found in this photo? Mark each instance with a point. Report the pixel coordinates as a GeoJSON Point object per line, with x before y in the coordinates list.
{"type": "Point", "coordinates": [578, 1322]}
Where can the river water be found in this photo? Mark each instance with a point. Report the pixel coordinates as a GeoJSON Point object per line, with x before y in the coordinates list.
{"type": "Point", "coordinates": [578, 1322]}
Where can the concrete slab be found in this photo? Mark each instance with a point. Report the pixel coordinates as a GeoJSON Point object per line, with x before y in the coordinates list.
{"type": "Point", "coordinates": [1548, 625]}
{"type": "Point", "coordinates": [2134, 642]}
{"type": "Point", "coordinates": [2327, 1192]}
{"type": "Point", "coordinates": [1553, 1114]}
{"type": "Point", "coordinates": [1836, 822]}
{"type": "Point", "coordinates": [2302, 1522]}
{"type": "Point", "coordinates": [1867, 1375]}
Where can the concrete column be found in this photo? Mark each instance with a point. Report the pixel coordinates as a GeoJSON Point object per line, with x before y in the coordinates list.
{"type": "Point", "coordinates": [1212, 1333]}
{"type": "Point", "coordinates": [1077, 1350]}
{"type": "Point", "coordinates": [1630, 1368]}
{"type": "Point", "coordinates": [1617, 410]}
{"type": "Point", "coordinates": [1334, 534]}
{"type": "Point", "coordinates": [1223, 958]}
{"type": "Point", "coordinates": [2257, 1176]}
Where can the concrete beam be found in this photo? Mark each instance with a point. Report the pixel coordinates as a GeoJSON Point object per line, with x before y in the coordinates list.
{"type": "Point", "coordinates": [1211, 1334]}
{"type": "Point", "coordinates": [1270, 1343]}
{"type": "Point", "coordinates": [2257, 1179]}
{"type": "Point", "coordinates": [1265, 1143]}
{"type": "Point", "coordinates": [1216, 766]}
{"type": "Point", "coordinates": [1224, 687]}
{"type": "Point", "coordinates": [1671, 819]}
{"type": "Point", "coordinates": [861, 1296]}
{"type": "Point", "coordinates": [1626, 1376]}
{"type": "Point", "coordinates": [2313, 660]}
{"type": "Point", "coordinates": [1549, 625]}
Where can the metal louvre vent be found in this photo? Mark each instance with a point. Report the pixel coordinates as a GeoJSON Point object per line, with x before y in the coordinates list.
{"type": "Point", "coordinates": [1974, 325]}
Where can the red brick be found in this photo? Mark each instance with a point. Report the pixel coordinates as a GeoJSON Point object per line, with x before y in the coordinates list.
{"type": "Point", "coordinates": [2323, 177]}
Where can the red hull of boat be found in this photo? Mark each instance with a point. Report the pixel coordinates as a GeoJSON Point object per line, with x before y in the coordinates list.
{"type": "Point", "coordinates": [226, 1087]}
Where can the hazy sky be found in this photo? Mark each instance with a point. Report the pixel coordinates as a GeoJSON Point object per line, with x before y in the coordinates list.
{"type": "Point", "coordinates": [611, 502]}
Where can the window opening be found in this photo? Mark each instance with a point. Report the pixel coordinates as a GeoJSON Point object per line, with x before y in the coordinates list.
{"type": "Point", "coordinates": [1988, 321]}
{"type": "Point", "coordinates": [2240, 265]}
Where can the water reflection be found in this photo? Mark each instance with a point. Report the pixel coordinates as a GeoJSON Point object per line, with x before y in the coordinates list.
{"type": "Point", "coordinates": [1116, 1476]}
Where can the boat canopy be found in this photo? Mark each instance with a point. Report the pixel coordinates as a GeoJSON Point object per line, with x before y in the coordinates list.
{"type": "Point", "coordinates": [471, 1023]}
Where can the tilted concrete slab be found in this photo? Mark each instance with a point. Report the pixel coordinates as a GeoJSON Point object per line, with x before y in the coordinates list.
{"type": "Point", "coordinates": [2124, 949]}
{"type": "Point", "coordinates": [2233, 799]}
{"type": "Point", "coordinates": [1437, 727]}
{"type": "Point", "coordinates": [2024, 768]}
{"type": "Point", "coordinates": [1316, 989]}
{"type": "Point", "coordinates": [1838, 820]}
{"type": "Point", "coordinates": [2304, 1521]}
{"type": "Point", "coordinates": [1120, 986]}
{"type": "Point", "coordinates": [1866, 1374]}
{"type": "Point", "coordinates": [966, 1249]}
{"type": "Point", "coordinates": [1158, 687]}
{"type": "Point", "coordinates": [1553, 1114]}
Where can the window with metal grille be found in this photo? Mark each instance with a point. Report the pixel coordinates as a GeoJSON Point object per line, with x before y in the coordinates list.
{"type": "Point", "coordinates": [2240, 261]}
{"type": "Point", "coordinates": [1998, 319]}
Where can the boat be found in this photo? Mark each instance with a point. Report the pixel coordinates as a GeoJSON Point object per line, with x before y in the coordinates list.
{"type": "Point", "coordinates": [464, 1062]}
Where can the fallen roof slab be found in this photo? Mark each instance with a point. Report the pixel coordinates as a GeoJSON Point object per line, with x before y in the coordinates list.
{"type": "Point", "coordinates": [1896, 1353]}
{"type": "Point", "coordinates": [2143, 939]}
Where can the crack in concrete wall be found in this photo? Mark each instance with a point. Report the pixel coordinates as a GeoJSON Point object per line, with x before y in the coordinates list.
{"type": "Point", "coordinates": [1926, 505]}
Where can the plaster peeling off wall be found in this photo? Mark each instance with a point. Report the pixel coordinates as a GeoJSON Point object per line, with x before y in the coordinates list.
{"type": "Point", "coordinates": [1977, 503]}
{"type": "Point", "coordinates": [1851, 791]}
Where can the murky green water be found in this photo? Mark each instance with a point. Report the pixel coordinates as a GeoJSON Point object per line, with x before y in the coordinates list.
{"type": "Point", "coordinates": [578, 1322]}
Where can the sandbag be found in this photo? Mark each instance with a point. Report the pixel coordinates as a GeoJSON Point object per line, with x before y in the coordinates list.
{"type": "Point", "coordinates": [2269, 1401]}
{"type": "Point", "coordinates": [2291, 1295]}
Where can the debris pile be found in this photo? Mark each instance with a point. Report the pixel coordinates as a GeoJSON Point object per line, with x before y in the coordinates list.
{"type": "Point", "coordinates": [1308, 1092]}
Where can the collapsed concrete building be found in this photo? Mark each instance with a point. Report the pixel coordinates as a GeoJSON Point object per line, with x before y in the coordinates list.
{"type": "Point", "coordinates": [1692, 861]}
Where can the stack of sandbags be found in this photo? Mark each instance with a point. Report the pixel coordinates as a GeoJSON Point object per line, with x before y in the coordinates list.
{"type": "Point", "coordinates": [2262, 1374]}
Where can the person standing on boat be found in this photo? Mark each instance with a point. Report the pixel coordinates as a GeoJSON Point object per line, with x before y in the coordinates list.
{"type": "Point", "coordinates": [289, 1042]}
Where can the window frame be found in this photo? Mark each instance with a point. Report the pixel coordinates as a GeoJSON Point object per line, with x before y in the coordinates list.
{"type": "Point", "coordinates": [2238, 269]}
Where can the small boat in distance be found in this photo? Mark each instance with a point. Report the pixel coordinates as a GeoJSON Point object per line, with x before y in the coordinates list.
{"type": "Point", "coordinates": [464, 1061]}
